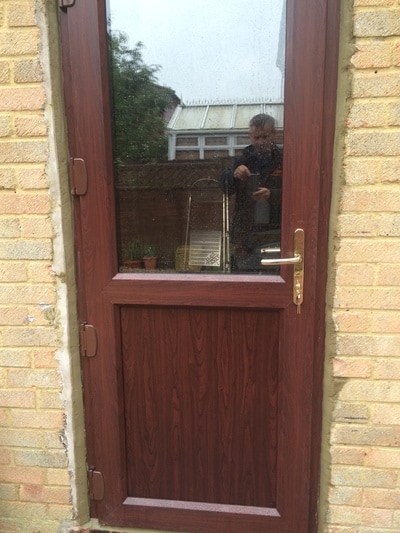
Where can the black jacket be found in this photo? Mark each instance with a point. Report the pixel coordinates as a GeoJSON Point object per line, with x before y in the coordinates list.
{"type": "Point", "coordinates": [265, 166]}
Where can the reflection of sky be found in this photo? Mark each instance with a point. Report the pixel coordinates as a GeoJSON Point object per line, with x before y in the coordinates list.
{"type": "Point", "coordinates": [208, 49]}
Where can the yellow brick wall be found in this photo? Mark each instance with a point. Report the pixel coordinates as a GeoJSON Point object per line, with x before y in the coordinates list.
{"type": "Point", "coordinates": [360, 488]}
{"type": "Point", "coordinates": [361, 452]}
{"type": "Point", "coordinates": [35, 490]}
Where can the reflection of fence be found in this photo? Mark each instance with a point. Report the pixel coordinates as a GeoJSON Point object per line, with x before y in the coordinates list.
{"type": "Point", "coordinates": [153, 203]}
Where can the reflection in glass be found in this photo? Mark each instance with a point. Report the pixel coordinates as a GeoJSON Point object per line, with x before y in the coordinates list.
{"type": "Point", "coordinates": [180, 139]}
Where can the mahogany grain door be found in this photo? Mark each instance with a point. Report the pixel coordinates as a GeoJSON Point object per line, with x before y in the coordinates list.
{"type": "Point", "coordinates": [203, 393]}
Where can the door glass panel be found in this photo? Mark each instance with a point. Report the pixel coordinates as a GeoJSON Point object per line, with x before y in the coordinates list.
{"type": "Point", "coordinates": [198, 109]}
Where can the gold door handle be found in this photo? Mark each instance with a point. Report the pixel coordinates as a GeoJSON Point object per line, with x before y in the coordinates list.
{"type": "Point", "coordinates": [297, 260]}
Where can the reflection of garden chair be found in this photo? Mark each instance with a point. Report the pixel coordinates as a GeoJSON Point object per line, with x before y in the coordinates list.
{"type": "Point", "coordinates": [206, 246]}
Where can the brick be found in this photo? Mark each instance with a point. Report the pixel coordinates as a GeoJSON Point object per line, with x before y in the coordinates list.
{"type": "Point", "coordinates": [394, 114]}
{"type": "Point", "coordinates": [5, 126]}
{"type": "Point", "coordinates": [9, 228]}
{"type": "Point", "coordinates": [351, 368]}
{"type": "Point", "coordinates": [13, 271]}
{"type": "Point", "coordinates": [23, 152]}
{"type": "Point", "coordinates": [4, 417]}
{"type": "Point", "coordinates": [36, 227]}
{"type": "Point", "coordinates": [13, 315]}
{"type": "Point", "coordinates": [47, 459]}
{"type": "Point", "coordinates": [17, 398]}
{"type": "Point", "coordinates": [397, 55]}
{"type": "Point", "coordinates": [60, 513]}
{"type": "Point", "coordinates": [390, 170]}
{"type": "Point", "coordinates": [367, 298]}
{"type": "Point", "coordinates": [34, 294]}
{"type": "Point", "coordinates": [28, 71]}
{"type": "Point", "coordinates": [5, 72]}
{"type": "Point", "coordinates": [368, 346]}
{"type": "Point", "coordinates": [32, 178]}
{"type": "Point", "coordinates": [5, 456]}
{"type": "Point", "coordinates": [373, 143]}
{"type": "Point", "coordinates": [386, 369]}
{"type": "Point", "coordinates": [58, 476]}
{"type": "Point", "coordinates": [363, 171]}
{"type": "Point", "coordinates": [20, 42]}
{"type": "Point", "coordinates": [15, 357]}
{"type": "Point", "coordinates": [363, 477]}
{"type": "Point", "coordinates": [25, 203]}
{"type": "Point", "coordinates": [383, 458]}
{"type": "Point", "coordinates": [37, 493]}
{"type": "Point", "coordinates": [371, 85]}
{"type": "Point", "coordinates": [8, 525]}
{"type": "Point", "coordinates": [372, 391]}
{"type": "Point", "coordinates": [369, 251]}
{"type": "Point", "coordinates": [21, 14]}
{"type": "Point", "coordinates": [360, 435]}
{"type": "Point", "coordinates": [351, 412]}
{"type": "Point", "coordinates": [345, 496]}
{"type": "Point", "coordinates": [31, 511]}
{"type": "Point", "coordinates": [21, 438]}
{"type": "Point", "coordinates": [26, 249]}
{"type": "Point", "coordinates": [357, 225]}
{"type": "Point", "coordinates": [41, 272]}
{"type": "Point", "coordinates": [362, 200]}
{"type": "Point", "coordinates": [44, 359]}
{"type": "Point", "coordinates": [344, 514]}
{"type": "Point", "coordinates": [50, 400]}
{"type": "Point", "coordinates": [32, 336]}
{"type": "Point", "coordinates": [18, 474]}
{"type": "Point", "coordinates": [33, 378]}
{"type": "Point", "coordinates": [55, 439]}
{"type": "Point", "coordinates": [375, 54]}
{"type": "Point", "coordinates": [369, 114]}
{"type": "Point", "coordinates": [386, 321]}
{"type": "Point", "coordinates": [379, 498]}
{"type": "Point", "coordinates": [32, 126]}
{"type": "Point", "coordinates": [341, 529]}
{"type": "Point", "coordinates": [349, 274]}
{"type": "Point", "coordinates": [388, 274]}
{"type": "Point", "coordinates": [44, 419]}
{"type": "Point", "coordinates": [396, 520]}
{"type": "Point", "coordinates": [365, 3]}
{"type": "Point", "coordinates": [352, 321]}
{"type": "Point", "coordinates": [22, 98]}
{"type": "Point", "coordinates": [376, 517]}
{"type": "Point", "coordinates": [376, 23]}
{"type": "Point", "coordinates": [7, 178]}
{"type": "Point", "coordinates": [8, 492]}
{"type": "Point", "coordinates": [385, 414]}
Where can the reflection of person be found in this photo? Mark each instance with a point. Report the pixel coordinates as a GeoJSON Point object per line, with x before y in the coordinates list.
{"type": "Point", "coordinates": [257, 189]}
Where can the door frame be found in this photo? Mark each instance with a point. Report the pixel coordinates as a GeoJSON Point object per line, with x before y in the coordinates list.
{"type": "Point", "coordinates": [89, 253]}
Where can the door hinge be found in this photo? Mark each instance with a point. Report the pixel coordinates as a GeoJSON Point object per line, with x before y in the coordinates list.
{"type": "Point", "coordinates": [78, 176]}
{"type": "Point", "coordinates": [88, 338]}
{"type": "Point", "coordinates": [63, 4]}
{"type": "Point", "coordinates": [96, 484]}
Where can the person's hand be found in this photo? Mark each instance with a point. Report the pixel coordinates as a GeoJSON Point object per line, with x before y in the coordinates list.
{"type": "Point", "coordinates": [262, 194]}
{"type": "Point", "coordinates": [242, 172]}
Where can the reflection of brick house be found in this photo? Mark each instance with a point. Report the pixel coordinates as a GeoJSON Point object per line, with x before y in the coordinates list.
{"type": "Point", "coordinates": [206, 131]}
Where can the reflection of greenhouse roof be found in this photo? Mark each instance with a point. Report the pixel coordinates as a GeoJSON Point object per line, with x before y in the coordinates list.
{"type": "Point", "coordinates": [221, 116]}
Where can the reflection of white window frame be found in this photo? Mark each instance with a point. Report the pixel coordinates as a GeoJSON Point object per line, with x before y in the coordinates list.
{"type": "Point", "coordinates": [221, 120]}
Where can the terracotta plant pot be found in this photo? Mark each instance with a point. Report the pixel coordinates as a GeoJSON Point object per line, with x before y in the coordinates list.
{"type": "Point", "coordinates": [150, 263]}
{"type": "Point", "coordinates": [133, 263]}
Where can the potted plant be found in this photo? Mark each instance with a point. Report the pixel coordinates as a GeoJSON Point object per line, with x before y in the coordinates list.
{"type": "Point", "coordinates": [149, 257]}
{"type": "Point", "coordinates": [134, 254]}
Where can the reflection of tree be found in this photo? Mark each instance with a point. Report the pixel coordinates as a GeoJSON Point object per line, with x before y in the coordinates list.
{"type": "Point", "coordinates": [139, 104]}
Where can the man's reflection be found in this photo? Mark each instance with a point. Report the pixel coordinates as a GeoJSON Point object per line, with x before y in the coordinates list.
{"type": "Point", "coordinates": [255, 178]}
